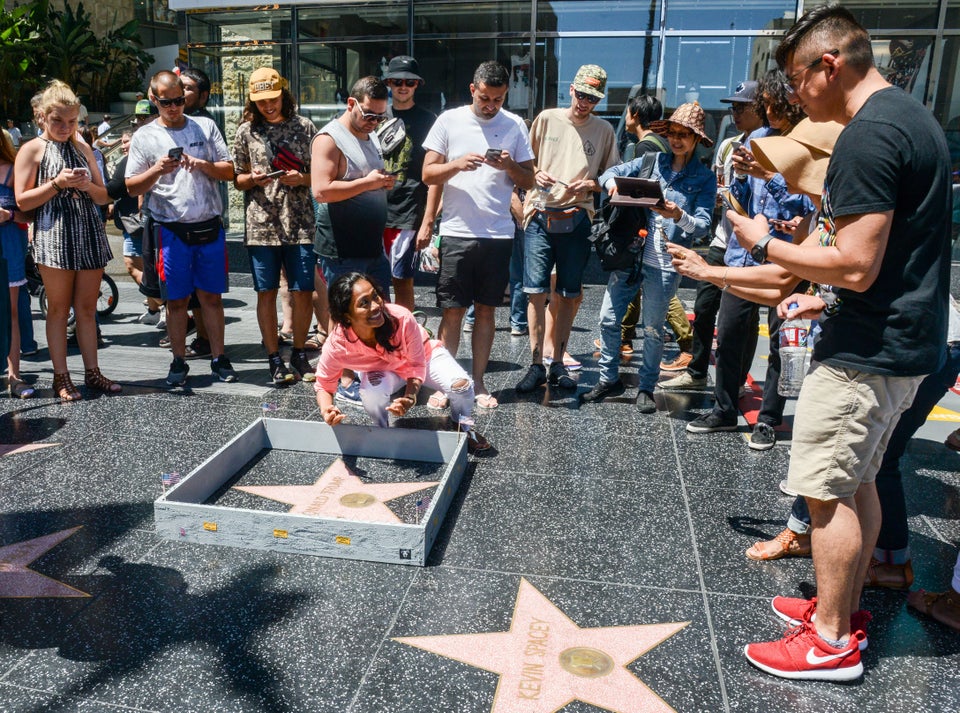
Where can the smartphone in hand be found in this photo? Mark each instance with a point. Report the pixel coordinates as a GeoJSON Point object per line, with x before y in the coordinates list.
{"type": "Point", "coordinates": [176, 153]}
{"type": "Point", "coordinates": [493, 154]}
{"type": "Point", "coordinates": [275, 174]}
{"type": "Point", "coordinates": [82, 171]}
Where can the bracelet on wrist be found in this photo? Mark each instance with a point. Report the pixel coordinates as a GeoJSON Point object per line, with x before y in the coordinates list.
{"type": "Point", "coordinates": [724, 278]}
{"type": "Point", "coordinates": [57, 188]}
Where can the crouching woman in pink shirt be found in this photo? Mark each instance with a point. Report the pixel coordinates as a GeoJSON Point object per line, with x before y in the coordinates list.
{"type": "Point", "coordinates": [389, 349]}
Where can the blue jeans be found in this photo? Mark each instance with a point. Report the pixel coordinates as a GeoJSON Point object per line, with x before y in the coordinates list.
{"type": "Point", "coordinates": [518, 298]}
{"type": "Point", "coordinates": [893, 541]}
{"type": "Point", "coordinates": [658, 288]}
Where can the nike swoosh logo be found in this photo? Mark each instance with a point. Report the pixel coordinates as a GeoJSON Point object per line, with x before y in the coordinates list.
{"type": "Point", "coordinates": [815, 660]}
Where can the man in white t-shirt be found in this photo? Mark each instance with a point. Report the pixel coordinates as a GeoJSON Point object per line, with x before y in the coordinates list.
{"type": "Point", "coordinates": [478, 152]}
{"type": "Point", "coordinates": [178, 160]}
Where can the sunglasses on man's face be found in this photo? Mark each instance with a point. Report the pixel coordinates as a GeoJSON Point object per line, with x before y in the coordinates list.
{"type": "Point", "coordinates": [403, 82]}
{"type": "Point", "coordinates": [589, 98]}
{"type": "Point", "coordinates": [178, 101]}
{"type": "Point", "coordinates": [370, 116]}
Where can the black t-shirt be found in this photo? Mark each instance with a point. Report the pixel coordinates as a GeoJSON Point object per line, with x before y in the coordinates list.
{"type": "Point", "coordinates": [406, 201]}
{"type": "Point", "coordinates": [891, 156]}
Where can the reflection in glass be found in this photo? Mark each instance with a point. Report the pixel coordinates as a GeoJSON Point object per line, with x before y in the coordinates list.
{"type": "Point", "coordinates": [606, 16]}
{"type": "Point", "coordinates": [239, 26]}
{"type": "Point", "coordinates": [887, 14]}
{"type": "Point", "coordinates": [745, 15]}
{"type": "Point", "coordinates": [346, 20]}
{"type": "Point", "coordinates": [465, 16]}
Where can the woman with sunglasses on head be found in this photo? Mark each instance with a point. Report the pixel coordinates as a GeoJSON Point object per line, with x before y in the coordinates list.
{"type": "Point", "coordinates": [391, 350]}
{"type": "Point", "coordinates": [689, 190]}
{"type": "Point", "coordinates": [58, 177]}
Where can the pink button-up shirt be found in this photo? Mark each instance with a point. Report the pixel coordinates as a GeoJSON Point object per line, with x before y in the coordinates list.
{"type": "Point", "coordinates": [344, 350]}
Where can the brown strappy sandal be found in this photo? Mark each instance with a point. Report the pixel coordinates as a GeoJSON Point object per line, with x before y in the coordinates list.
{"type": "Point", "coordinates": [63, 385]}
{"type": "Point", "coordinates": [97, 381]}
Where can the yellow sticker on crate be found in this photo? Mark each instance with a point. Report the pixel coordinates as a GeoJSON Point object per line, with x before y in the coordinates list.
{"type": "Point", "coordinates": [210, 526]}
{"type": "Point", "coordinates": [280, 533]}
{"type": "Point", "coordinates": [341, 540]}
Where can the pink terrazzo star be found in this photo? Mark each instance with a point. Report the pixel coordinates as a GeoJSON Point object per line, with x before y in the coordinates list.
{"type": "Point", "coordinates": [340, 494]}
{"type": "Point", "coordinates": [8, 449]}
{"type": "Point", "coordinates": [17, 580]}
{"type": "Point", "coordinates": [546, 661]}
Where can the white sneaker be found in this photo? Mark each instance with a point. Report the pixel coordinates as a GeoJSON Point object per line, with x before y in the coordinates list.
{"type": "Point", "coordinates": [162, 324]}
{"type": "Point", "coordinates": [683, 381]}
{"type": "Point", "coordinates": [149, 317]}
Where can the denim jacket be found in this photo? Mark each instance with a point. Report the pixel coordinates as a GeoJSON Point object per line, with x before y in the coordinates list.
{"type": "Point", "coordinates": [768, 197]}
{"type": "Point", "coordinates": [694, 191]}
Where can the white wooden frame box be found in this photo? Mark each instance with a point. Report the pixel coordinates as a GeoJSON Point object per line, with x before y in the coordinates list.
{"type": "Point", "coordinates": [181, 513]}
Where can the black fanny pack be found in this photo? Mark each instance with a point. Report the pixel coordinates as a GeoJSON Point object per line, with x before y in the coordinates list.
{"type": "Point", "coordinates": [196, 233]}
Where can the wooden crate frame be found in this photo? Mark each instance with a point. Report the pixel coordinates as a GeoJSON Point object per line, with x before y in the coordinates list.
{"type": "Point", "coordinates": [181, 514]}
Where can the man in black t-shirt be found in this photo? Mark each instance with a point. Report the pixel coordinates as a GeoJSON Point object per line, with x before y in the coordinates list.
{"type": "Point", "coordinates": [882, 267]}
{"type": "Point", "coordinates": [411, 206]}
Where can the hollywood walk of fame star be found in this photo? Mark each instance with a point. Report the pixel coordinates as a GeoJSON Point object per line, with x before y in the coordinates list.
{"type": "Point", "coordinates": [17, 580]}
{"type": "Point", "coordinates": [340, 494]}
{"type": "Point", "coordinates": [546, 661]}
{"type": "Point", "coordinates": [8, 449]}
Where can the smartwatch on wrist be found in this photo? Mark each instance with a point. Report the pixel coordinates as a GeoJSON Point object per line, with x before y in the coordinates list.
{"type": "Point", "coordinates": [759, 251]}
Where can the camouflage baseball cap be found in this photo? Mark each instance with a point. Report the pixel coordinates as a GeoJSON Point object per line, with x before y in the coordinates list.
{"type": "Point", "coordinates": [591, 79]}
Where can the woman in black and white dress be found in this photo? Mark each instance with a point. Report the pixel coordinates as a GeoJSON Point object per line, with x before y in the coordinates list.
{"type": "Point", "coordinates": [57, 176]}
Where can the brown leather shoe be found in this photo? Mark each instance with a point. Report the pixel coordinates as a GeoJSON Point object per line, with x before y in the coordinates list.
{"type": "Point", "coordinates": [942, 606]}
{"type": "Point", "coordinates": [787, 544]}
{"type": "Point", "coordinates": [889, 576]}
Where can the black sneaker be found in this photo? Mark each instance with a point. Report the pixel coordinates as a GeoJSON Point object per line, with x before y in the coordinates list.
{"type": "Point", "coordinates": [301, 367]}
{"type": "Point", "coordinates": [602, 390]}
{"type": "Point", "coordinates": [560, 377]}
{"type": "Point", "coordinates": [711, 422]}
{"type": "Point", "coordinates": [645, 402]}
{"type": "Point", "coordinates": [223, 369]}
{"type": "Point", "coordinates": [177, 376]}
{"type": "Point", "coordinates": [536, 376]}
{"type": "Point", "coordinates": [199, 348]}
{"type": "Point", "coordinates": [763, 437]}
{"type": "Point", "coordinates": [278, 371]}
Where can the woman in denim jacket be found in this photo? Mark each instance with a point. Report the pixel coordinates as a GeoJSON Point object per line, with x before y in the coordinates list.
{"type": "Point", "coordinates": [690, 190]}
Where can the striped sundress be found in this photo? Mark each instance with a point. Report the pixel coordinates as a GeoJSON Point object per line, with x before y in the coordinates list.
{"type": "Point", "coordinates": [69, 232]}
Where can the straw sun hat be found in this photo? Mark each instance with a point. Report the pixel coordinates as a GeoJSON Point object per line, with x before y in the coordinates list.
{"type": "Point", "coordinates": [801, 156]}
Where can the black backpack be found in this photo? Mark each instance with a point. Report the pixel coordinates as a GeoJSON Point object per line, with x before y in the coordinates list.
{"type": "Point", "coordinates": [618, 226]}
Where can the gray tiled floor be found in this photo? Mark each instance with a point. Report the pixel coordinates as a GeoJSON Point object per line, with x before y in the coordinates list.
{"type": "Point", "coordinates": [617, 518]}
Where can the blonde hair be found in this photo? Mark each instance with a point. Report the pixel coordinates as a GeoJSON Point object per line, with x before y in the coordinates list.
{"type": "Point", "coordinates": [8, 154]}
{"type": "Point", "coordinates": [58, 93]}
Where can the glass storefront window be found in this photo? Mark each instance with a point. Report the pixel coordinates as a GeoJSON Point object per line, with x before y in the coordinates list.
{"type": "Point", "coordinates": [328, 71]}
{"type": "Point", "coordinates": [238, 26]}
{"type": "Point", "coordinates": [712, 15]}
{"type": "Point", "coordinates": [947, 105]}
{"type": "Point", "coordinates": [606, 16]}
{"type": "Point", "coordinates": [347, 20]}
{"type": "Point", "coordinates": [888, 14]}
{"type": "Point", "coordinates": [905, 62]}
{"type": "Point", "coordinates": [466, 17]}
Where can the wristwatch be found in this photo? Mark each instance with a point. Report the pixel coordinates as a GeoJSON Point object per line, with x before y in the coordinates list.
{"type": "Point", "coordinates": [759, 251]}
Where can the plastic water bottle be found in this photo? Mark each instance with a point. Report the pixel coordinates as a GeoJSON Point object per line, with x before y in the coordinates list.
{"type": "Point", "coordinates": [793, 355]}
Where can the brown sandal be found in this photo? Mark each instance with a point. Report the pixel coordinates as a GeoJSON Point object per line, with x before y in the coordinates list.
{"type": "Point", "coordinates": [942, 606]}
{"type": "Point", "coordinates": [898, 577]}
{"type": "Point", "coordinates": [97, 381]}
{"type": "Point", "coordinates": [315, 341]}
{"type": "Point", "coordinates": [63, 385]}
{"type": "Point", "coordinates": [787, 544]}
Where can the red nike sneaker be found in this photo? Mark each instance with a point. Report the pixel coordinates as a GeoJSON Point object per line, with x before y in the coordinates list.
{"type": "Point", "coordinates": [802, 654]}
{"type": "Point", "coordinates": [795, 610]}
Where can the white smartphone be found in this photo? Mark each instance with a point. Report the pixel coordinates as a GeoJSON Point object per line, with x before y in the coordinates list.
{"type": "Point", "coordinates": [82, 171]}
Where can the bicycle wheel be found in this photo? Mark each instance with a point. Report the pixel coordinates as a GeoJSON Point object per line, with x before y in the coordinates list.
{"type": "Point", "coordinates": [109, 295]}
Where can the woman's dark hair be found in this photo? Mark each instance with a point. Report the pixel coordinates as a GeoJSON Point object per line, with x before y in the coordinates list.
{"type": "Point", "coordinates": [288, 108]}
{"type": "Point", "coordinates": [340, 297]}
{"type": "Point", "coordinates": [772, 92]}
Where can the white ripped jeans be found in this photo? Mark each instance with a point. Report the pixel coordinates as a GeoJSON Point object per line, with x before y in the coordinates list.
{"type": "Point", "coordinates": [377, 388]}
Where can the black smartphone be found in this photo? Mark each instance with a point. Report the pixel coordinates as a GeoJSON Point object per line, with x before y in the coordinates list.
{"type": "Point", "coordinates": [176, 152]}
{"type": "Point", "coordinates": [493, 154]}
{"type": "Point", "coordinates": [394, 173]}
{"type": "Point", "coordinates": [275, 174]}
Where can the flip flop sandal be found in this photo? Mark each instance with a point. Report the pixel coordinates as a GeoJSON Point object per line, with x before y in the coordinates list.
{"type": "Point", "coordinates": [438, 401]}
{"type": "Point", "coordinates": [487, 401]}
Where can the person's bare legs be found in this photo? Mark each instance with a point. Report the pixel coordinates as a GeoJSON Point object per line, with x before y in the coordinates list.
{"type": "Point", "coordinates": [267, 319]}
{"type": "Point", "coordinates": [566, 311]}
{"type": "Point", "coordinates": [286, 303]}
{"type": "Point", "coordinates": [550, 328]}
{"type": "Point", "coordinates": [302, 303]}
{"type": "Point", "coordinates": [13, 357]}
{"type": "Point", "coordinates": [58, 285]}
{"type": "Point", "coordinates": [868, 511]}
{"type": "Point", "coordinates": [838, 547]}
{"type": "Point", "coordinates": [482, 342]}
{"type": "Point", "coordinates": [536, 320]}
{"type": "Point", "coordinates": [403, 293]}
{"type": "Point", "coordinates": [177, 325]}
{"type": "Point", "coordinates": [211, 305]}
{"type": "Point", "coordinates": [321, 307]}
{"type": "Point", "coordinates": [451, 322]}
{"type": "Point", "coordinates": [86, 291]}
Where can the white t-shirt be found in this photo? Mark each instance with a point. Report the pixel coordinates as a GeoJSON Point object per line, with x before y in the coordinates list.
{"type": "Point", "coordinates": [476, 204]}
{"type": "Point", "coordinates": [182, 196]}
